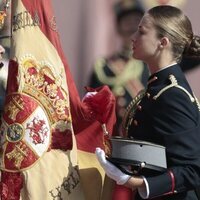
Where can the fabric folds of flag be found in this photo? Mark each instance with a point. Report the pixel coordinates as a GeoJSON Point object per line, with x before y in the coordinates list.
{"type": "Point", "coordinates": [44, 120]}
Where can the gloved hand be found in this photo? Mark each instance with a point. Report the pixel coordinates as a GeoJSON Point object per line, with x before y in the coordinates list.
{"type": "Point", "coordinates": [88, 95]}
{"type": "Point", "coordinates": [111, 170]}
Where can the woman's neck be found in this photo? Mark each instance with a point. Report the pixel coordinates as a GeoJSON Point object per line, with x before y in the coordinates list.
{"type": "Point", "coordinates": [155, 67]}
{"type": "Point", "coordinates": [161, 60]}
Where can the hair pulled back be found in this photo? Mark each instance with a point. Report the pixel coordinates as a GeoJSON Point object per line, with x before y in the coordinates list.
{"type": "Point", "coordinates": [170, 22]}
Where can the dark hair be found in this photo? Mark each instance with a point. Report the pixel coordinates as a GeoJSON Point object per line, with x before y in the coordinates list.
{"type": "Point", "coordinates": [170, 21]}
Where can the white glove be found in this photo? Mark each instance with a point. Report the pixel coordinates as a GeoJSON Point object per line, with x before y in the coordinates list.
{"type": "Point", "coordinates": [88, 95]}
{"type": "Point", "coordinates": [111, 170]}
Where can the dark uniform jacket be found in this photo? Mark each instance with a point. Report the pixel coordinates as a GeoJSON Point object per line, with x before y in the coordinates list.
{"type": "Point", "coordinates": [169, 115]}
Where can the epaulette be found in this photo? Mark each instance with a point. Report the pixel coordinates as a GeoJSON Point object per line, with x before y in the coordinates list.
{"type": "Point", "coordinates": [174, 83]}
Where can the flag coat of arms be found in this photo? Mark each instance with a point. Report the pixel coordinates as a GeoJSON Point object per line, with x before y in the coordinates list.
{"type": "Point", "coordinates": [44, 121]}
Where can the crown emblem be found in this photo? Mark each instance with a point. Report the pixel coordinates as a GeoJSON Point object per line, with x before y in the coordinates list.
{"type": "Point", "coordinates": [41, 82]}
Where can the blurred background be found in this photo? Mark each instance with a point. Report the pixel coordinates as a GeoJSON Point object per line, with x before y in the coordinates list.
{"type": "Point", "coordinates": [87, 31]}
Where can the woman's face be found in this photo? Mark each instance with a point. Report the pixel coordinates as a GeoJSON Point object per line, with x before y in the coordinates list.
{"type": "Point", "coordinates": [145, 41]}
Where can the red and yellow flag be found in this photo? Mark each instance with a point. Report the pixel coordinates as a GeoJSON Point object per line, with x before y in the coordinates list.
{"type": "Point", "coordinates": [44, 119]}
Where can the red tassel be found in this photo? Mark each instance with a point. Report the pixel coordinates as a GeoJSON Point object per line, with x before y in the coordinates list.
{"type": "Point", "coordinates": [100, 103]}
{"type": "Point", "coordinates": [11, 185]}
{"type": "Point", "coordinates": [99, 106]}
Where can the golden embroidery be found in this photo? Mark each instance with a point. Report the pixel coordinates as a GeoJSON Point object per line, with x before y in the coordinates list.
{"type": "Point", "coordinates": [24, 19]}
{"type": "Point", "coordinates": [18, 154]}
{"type": "Point", "coordinates": [14, 107]}
{"type": "Point", "coordinates": [53, 25]}
{"type": "Point", "coordinates": [130, 112]}
{"type": "Point", "coordinates": [39, 81]}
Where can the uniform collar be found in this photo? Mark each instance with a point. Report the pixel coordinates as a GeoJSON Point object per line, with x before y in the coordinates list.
{"type": "Point", "coordinates": [163, 74]}
{"type": "Point", "coordinates": [166, 67]}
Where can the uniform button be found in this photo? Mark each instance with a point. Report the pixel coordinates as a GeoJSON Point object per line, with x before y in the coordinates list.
{"type": "Point", "coordinates": [135, 122]}
{"type": "Point", "coordinates": [152, 80]}
{"type": "Point", "coordinates": [148, 95]}
{"type": "Point", "coordinates": [175, 191]}
{"type": "Point", "coordinates": [139, 107]}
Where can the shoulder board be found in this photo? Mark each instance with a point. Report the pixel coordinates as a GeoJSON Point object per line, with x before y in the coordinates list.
{"type": "Point", "coordinates": [174, 83]}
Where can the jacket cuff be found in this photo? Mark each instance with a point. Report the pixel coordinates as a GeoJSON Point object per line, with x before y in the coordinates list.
{"type": "Point", "coordinates": [161, 185]}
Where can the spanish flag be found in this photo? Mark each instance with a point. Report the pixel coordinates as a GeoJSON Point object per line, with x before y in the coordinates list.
{"type": "Point", "coordinates": [44, 120]}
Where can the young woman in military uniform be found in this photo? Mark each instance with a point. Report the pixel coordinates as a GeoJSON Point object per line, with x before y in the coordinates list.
{"type": "Point", "coordinates": [168, 113]}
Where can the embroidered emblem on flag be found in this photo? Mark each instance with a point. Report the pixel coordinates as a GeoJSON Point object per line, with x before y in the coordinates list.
{"type": "Point", "coordinates": [25, 132]}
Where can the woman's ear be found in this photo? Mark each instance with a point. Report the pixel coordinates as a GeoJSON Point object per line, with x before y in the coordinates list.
{"type": "Point", "coordinates": [164, 41]}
